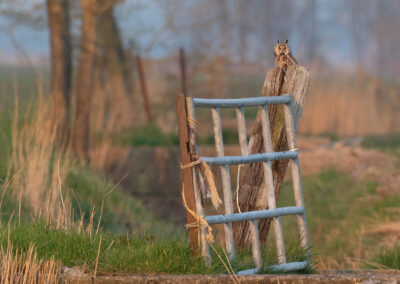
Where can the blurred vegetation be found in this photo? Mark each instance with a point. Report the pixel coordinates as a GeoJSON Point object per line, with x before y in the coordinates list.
{"type": "Point", "coordinates": [333, 137]}
{"type": "Point", "coordinates": [21, 80]}
{"type": "Point", "coordinates": [339, 211]}
{"type": "Point", "coordinates": [88, 191]}
{"type": "Point", "coordinates": [121, 212]}
{"type": "Point", "coordinates": [382, 142]}
{"type": "Point", "coordinates": [113, 210]}
{"type": "Point", "coordinates": [389, 258]}
{"type": "Point", "coordinates": [229, 136]}
{"type": "Point", "coordinates": [389, 143]}
{"type": "Point", "coordinates": [148, 135]}
{"type": "Point", "coordinates": [151, 135]}
{"type": "Point", "coordinates": [245, 85]}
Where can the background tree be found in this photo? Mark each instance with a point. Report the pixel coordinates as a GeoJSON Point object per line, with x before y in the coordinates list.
{"type": "Point", "coordinates": [59, 23]}
{"type": "Point", "coordinates": [116, 67]}
{"type": "Point", "coordinates": [84, 84]}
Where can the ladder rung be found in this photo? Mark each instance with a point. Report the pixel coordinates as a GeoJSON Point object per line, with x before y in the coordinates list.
{"type": "Point", "coordinates": [285, 267]}
{"type": "Point", "coordinates": [252, 215]}
{"type": "Point", "coordinates": [243, 102]}
{"type": "Point", "coordinates": [263, 157]}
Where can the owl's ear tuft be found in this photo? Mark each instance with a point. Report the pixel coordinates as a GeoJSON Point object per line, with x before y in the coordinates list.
{"type": "Point", "coordinates": [286, 41]}
{"type": "Point", "coordinates": [278, 41]}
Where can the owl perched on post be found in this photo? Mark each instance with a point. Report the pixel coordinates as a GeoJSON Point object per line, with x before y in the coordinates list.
{"type": "Point", "coordinates": [283, 56]}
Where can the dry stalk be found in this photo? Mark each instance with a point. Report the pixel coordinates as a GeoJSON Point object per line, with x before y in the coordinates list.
{"type": "Point", "coordinates": [34, 154]}
{"type": "Point", "coordinates": [98, 255]}
{"type": "Point", "coordinates": [89, 228]}
{"type": "Point", "coordinates": [26, 268]}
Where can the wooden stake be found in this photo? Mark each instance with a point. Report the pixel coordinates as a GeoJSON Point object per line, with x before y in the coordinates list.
{"type": "Point", "coordinates": [187, 174]}
{"type": "Point", "coordinates": [144, 88]}
{"type": "Point", "coordinates": [182, 64]}
{"type": "Point", "coordinates": [295, 82]}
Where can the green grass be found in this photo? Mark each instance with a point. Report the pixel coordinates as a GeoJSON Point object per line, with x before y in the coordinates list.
{"type": "Point", "coordinates": [229, 136]}
{"type": "Point", "coordinates": [118, 253]}
{"type": "Point", "coordinates": [122, 254]}
{"type": "Point", "coordinates": [388, 258]}
{"type": "Point", "coordinates": [147, 135]}
{"type": "Point", "coordinates": [86, 189]}
{"type": "Point", "coordinates": [338, 209]}
{"type": "Point", "coordinates": [121, 211]}
{"type": "Point", "coordinates": [20, 79]}
{"type": "Point", "coordinates": [151, 135]}
{"type": "Point", "coordinates": [389, 144]}
{"type": "Point", "coordinates": [332, 136]}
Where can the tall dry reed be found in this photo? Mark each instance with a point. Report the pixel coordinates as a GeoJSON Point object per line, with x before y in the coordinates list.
{"type": "Point", "coordinates": [37, 167]}
{"type": "Point", "coordinates": [351, 104]}
{"type": "Point", "coordinates": [26, 268]}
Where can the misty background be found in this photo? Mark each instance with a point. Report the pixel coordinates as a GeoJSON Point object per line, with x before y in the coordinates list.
{"type": "Point", "coordinates": [351, 47]}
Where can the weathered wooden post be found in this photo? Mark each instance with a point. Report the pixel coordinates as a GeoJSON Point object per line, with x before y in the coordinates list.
{"type": "Point", "coordinates": [182, 64]}
{"type": "Point", "coordinates": [187, 173]}
{"type": "Point", "coordinates": [293, 81]}
{"type": "Point", "coordinates": [144, 88]}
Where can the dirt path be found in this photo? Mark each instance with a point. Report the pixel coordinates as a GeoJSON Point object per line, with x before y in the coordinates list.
{"type": "Point", "coordinates": [329, 276]}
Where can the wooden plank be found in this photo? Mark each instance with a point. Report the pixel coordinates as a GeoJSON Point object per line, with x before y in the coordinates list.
{"type": "Point", "coordinates": [295, 82]}
{"type": "Point", "coordinates": [187, 174]}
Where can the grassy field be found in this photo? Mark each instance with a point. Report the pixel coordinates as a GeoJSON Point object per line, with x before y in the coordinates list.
{"type": "Point", "coordinates": [153, 136]}
{"type": "Point", "coordinates": [341, 214]}
{"type": "Point", "coordinates": [389, 258]}
{"type": "Point", "coordinates": [124, 253]}
{"type": "Point", "coordinates": [388, 144]}
{"type": "Point", "coordinates": [90, 194]}
{"type": "Point", "coordinates": [29, 164]}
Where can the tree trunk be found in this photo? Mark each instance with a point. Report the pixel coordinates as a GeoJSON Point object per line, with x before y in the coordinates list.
{"type": "Point", "coordinates": [119, 82]}
{"type": "Point", "coordinates": [58, 15]}
{"type": "Point", "coordinates": [84, 88]}
{"type": "Point", "coordinates": [251, 194]}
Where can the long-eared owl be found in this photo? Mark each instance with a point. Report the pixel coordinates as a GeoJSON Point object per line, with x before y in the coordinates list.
{"type": "Point", "coordinates": [283, 56]}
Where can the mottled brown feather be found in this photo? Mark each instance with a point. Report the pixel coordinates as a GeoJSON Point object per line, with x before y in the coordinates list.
{"type": "Point", "coordinates": [283, 55]}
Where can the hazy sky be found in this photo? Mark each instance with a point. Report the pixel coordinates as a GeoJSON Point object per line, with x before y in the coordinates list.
{"type": "Point", "coordinates": [137, 19]}
{"type": "Point", "coordinates": [140, 19]}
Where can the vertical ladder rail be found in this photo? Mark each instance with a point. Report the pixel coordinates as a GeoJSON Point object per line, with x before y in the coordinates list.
{"type": "Point", "coordinates": [205, 248]}
{"type": "Point", "coordinates": [296, 177]}
{"type": "Point", "coordinates": [269, 184]}
{"type": "Point", "coordinates": [226, 182]}
{"type": "Point", "coordinates": [253, 224]}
